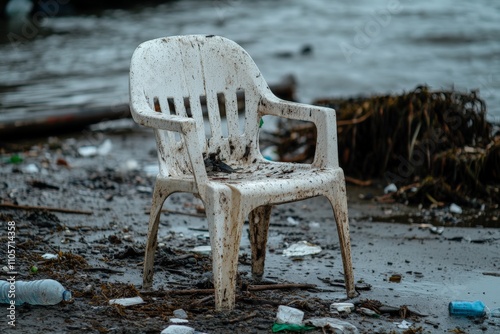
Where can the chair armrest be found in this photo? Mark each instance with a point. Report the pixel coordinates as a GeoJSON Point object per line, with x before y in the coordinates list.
{"type": "Point", "coordinates": [186, 126]}
{"type": "Point", "coordinates": [158, 120]}
{"type": "Point", "coordinates": [324, 119]}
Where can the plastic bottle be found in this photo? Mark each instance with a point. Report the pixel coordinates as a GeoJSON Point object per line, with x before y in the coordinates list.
{"type": "Point", "coordinates": [40, 292]}
{"type": "Point", "coordinates": [467, 309]}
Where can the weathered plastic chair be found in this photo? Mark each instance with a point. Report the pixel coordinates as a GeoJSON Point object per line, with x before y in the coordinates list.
{"type": "Point", "coordinates": [171, 80]}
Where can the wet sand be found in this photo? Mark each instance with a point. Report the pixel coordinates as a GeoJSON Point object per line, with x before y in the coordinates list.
{"type": "Point", "coordinates": [102, 251]}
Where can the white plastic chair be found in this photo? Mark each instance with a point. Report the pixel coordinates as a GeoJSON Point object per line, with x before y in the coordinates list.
{"type": "Point", "coordinates": [170, 81]}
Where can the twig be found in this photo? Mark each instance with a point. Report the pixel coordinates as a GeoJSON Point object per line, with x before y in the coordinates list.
{"type": "Point", "coordinates": [358, 182]}
{"type": "Point", "coordinates": [491, 274]}
{"type": "Point", "coordinates": [280, 286]}
{"type": "Point", "coordinates": [46, 208]}
{"type": "Point", "coordinates": [178, 213]}
{"type": "Point", "coordinates": [178, 292]}
{"type": "Point", "coordinates": [243, 317]}
{"type": "Point", "coordinates": [354, 120]}
{"type": "Point", "coordinates": [199, 302]}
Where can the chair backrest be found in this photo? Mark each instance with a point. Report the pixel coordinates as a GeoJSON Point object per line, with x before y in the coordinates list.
{"type": "Point", "coordinates": [187, 75]}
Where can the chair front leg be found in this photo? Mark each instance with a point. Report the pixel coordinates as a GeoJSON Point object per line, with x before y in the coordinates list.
{"type": "Point", "coordinates": [225, 223]}
{"type": "Point", "coordinates": [159, 196]}
{"type": "Point", "coordinates": [259, 228]}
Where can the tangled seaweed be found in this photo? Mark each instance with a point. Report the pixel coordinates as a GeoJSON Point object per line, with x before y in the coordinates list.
{"type": "Point", "coordinates": [438, 141]}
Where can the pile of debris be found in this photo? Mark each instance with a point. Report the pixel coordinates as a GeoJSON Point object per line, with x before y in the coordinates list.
{"type": "Point", "coordinates": [435, 146]}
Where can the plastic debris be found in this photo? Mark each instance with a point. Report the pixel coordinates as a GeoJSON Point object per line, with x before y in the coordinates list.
{"type": "Point", "coordinates": [368, 312]}
{"type": "Point", "coordinates": [467, 309]}
{"type": "Point", "coordinates": [103, 149]}
{"type": "Point", "coordinates": [289, 315]}
{"type": "Point", "coordinates": [31, 168]}
{"type": "Point", "coordinates": [455, 208]}
{"type": "Point", "coordinates": [127, 301]}
{"type": "Point", "coordinates": [292, 222]}
{"type": "Point", "coordinates": [151, 170]}
{"type": "Point", "coordinates": [39, 292]}
{"type": "Point", "coordinates": [49, 256]}
{"type": "Point", "coordinates": [131, 164]}
{"type": "Point", "coordinates": [177, 329]}
{"type": "Point", "coordinates": [270, 153]}
{"type": "Point", "coordinates": [15, 159]}
{"type": "Point", "coordinates": [202, 249]}
{"type": "Point", "coordinates": [178, 321]}
{"type": "Point", "coordinates": [291, 328]}
{"type": "Point", "coordinates": [403, 324]}
{"type": "Point", "coordinates": [391, 188]}
{"type": "Point", "coordinates": [33, 269]}
{"type": "Point", "coordinates": [335, 325]}
{"type": "Point", "coordinates": [395, 278]}
{"type": "Point", "coordinates": [342, 307]}
{"type": "Point", "coordinates": [301, 248]}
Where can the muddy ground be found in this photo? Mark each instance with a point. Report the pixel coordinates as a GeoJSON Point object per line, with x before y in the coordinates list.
{"type": "Point", "coordinates": [101, 250]}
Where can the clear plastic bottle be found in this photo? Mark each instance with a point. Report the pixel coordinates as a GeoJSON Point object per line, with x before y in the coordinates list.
{"type": "Point", "coordinates": [39, 292]}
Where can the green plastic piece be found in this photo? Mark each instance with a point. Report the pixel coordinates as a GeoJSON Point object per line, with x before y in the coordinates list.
{"type": "Point", "coordinates": [261, 123]}
{"type": "Point", "coordinates": [34, 269]}
{"type": "Point", "coordinates": [291, 328]}
{"type": "Point", "coordinates": [15, 159]}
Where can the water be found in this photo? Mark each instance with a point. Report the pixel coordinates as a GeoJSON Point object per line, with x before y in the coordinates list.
{"type": "Point", "coordinates": [358, 47]}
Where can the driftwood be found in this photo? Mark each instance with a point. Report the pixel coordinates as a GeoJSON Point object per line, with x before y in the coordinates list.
{"type": "Point", "coordinates": [14, 126]}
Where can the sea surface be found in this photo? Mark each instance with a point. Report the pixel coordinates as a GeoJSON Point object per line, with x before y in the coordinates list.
{"type": "Point", "coordinates": [333, 48]}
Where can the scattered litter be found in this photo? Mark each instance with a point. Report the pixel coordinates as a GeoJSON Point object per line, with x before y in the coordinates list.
{"type": "Point", "coordinates": [178, 329]}
{"type": "Point", "coordinates": [291, 328]}
{"type": "Point", "coordinates": [395, 278]}
{"type": "Point", "coordinates": [403, 324]}
{"type": "Point", "coordinates": [368, 312]}
{"type": "Point", "coordinates": [31, 168]}
{"type": "Point", "coordinates": [467, 309]}
{"type": "Point", "coordinates": [437, 230]}
{"type": "Point", "coordinates": [178, 321]}
{"type": "Point", "coordinates": [433, 229]}
{"type": "Point", "coordinates": [314, 225]}
{"type": "Point", "coordinates": [391, 188]}
{"type": "Point", "coordinates": [269, 153]}
{"type": "Point", "coordinates": [202, 249]}
{"type": "Point", "coordinates": [301, 248]}
{"type": "Point", "coordinates": [455, 208]}
{"type": "Point", "coordinates": [131, 164]}
{"type": "Point", "coordinates": [105, 148]}
{"type": "Point", "coordinates": [333, 324]}
{"type": "Point", "coordinates": [292, 222]}
{"type": "Point", "coordinates": [49, 256]}
{"type": "Point", "coordinates": [151, 170]}
{"type": "Point", "coordinates": [87, 151]}
{"type": "Point", "coordinates": [144, 189]}
{"type": "Point", "coordinates": [289, 315]}
{"type": "Point", "coordinates": [127, 301]}
{"type": "Point", "coordinates": [342, 307]}
{"type": "Point", "coordinates": [90, 151]}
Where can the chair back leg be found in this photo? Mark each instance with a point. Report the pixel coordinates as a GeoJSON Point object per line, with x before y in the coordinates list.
{"type": "Point", "coordinates": [160, 194]}
{"type": "Point", "coordinates": [338, 199]}
{"type": "Point", "coordinates": [259, 228]}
